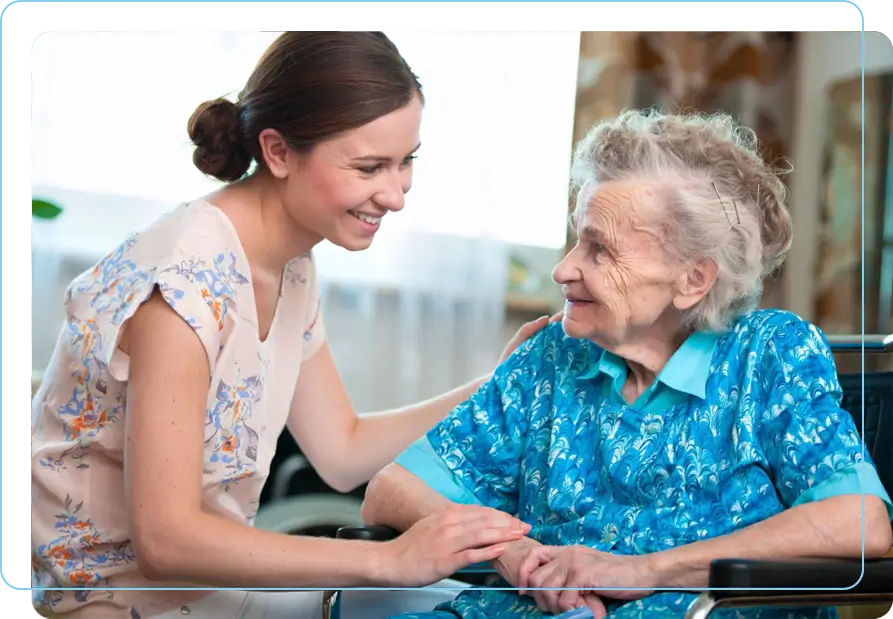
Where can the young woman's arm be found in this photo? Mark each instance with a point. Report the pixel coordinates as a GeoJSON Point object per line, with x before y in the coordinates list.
{"type": "Point", "coordinates": [346, 450]}
{"type": "Point", "coordinates": [176, 539]}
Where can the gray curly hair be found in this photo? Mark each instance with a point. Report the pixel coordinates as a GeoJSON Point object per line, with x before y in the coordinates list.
{"type": "Point", "coordinates": [714, 178]}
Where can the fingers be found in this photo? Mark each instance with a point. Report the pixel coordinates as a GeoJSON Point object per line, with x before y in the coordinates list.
{"type": "Point", "coordinates": [482, 517]}
{"type": "Point", "coordinates": [478, 518]}
{"type": "Point", "coordinates": [526, 331]}
{"type": "Point", "coordinates": [477, 536]}
{"type": "Point", "coordinates": [570, 599]}
{"type": "Point", "coordinates": [531, 563]}
{"type": "Point", "coordinates": [471, 534]}
{"type": "Point", "coordinates": [595, 604]}
{"type": "Point", "coordinates": [548, 601]}
{"type": "Point", "coordinates": [454, 538]}
{"type": "Point", "coordinates": [557, 317]}
{"type": "Point", "coordinates": [529, 328]}
{"type": "Point", "coordinates": [549, 576]}
{"type": "Point", "coordinates": [477, 555]}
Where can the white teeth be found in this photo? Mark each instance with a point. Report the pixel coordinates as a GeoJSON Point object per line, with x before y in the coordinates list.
{"type": "Point", "coordinates": [366, 218]}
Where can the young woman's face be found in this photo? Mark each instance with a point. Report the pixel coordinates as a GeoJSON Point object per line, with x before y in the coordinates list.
{"type": "Point", "coordinates": [344, 188]}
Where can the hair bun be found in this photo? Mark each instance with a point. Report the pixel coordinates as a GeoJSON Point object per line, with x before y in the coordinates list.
{"type": "Point", "coordinates": [219, 151]}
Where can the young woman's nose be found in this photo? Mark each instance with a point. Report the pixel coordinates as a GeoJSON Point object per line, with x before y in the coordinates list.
{"type": "Point", "coordinates": [391, 195]}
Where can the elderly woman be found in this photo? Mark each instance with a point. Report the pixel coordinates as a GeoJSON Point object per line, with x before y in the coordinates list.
{"type": "Point", "coordinates": [666, 422]}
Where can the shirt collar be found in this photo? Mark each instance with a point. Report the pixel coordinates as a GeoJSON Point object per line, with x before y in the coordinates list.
{"type": "Point", "coordinates": [686, 371]}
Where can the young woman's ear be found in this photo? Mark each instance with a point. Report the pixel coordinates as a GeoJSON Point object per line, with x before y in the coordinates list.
{"type": "Point", "coordinates": [275, 152]}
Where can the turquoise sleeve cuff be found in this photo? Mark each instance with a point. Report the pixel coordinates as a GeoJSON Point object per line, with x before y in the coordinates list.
{"type": "Point", "coordinates": [421, 460]}
{"type": "Point", "coordinates": [858, 478]}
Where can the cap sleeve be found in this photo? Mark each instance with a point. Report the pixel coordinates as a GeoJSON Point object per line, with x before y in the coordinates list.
{"type": "Point", "coordinates": [200, 287]}
{"type": "Point", "coordinates": [810, 443]}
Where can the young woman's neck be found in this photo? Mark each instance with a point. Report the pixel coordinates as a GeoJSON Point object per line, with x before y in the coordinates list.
{"type": "Point", "coordinates": [270, 236]}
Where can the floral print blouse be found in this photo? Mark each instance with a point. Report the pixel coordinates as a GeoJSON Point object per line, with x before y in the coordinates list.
{"type": "Point", "coordinates": [81, 536]}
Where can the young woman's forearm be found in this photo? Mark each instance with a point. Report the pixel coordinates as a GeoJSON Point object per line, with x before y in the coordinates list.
{"type": "Point", "coordinates": [377, 438]}
{"type": "Point", "coordinates": [347, 448]}
{"type": "Point", "coordinates": [207, 550]}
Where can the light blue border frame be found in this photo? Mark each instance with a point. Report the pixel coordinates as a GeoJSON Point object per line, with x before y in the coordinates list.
{"type": "Point", "coordinates": [21, 20]}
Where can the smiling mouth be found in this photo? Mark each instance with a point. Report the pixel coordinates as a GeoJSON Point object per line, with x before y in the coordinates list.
{"type": "Point", "coordinates": [367, 218]}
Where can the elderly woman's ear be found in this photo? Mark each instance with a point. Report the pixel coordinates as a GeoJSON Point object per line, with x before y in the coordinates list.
{"type": "Point", "coordinates": [694, 283]}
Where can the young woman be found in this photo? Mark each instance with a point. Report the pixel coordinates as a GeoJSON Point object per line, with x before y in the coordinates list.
{"type": "Point", "coordinates": [188, 349]}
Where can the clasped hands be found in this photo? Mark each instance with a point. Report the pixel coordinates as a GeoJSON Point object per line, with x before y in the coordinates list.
{"type": "Point", "coordinates": [527, 564]}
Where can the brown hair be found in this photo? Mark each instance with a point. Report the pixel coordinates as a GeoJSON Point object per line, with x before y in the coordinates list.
{"type": "Point", "coordinates": [308, 86]}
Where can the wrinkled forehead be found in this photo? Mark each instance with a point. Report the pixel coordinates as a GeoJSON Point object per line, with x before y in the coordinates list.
{"type": "Point", "coordinates": [615, 206]}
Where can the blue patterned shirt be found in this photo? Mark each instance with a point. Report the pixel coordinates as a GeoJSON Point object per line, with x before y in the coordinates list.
{"type": "Point", "coordinates": [736, 428]}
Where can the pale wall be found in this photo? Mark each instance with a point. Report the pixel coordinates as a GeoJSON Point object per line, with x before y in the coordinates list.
{"type": "Point", "coordinates": [823, 58]}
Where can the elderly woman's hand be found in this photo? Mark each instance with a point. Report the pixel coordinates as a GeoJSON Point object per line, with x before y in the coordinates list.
{"type": "Point", "coordinates": [527, 330]}
{"type": "Point", "coordinates": [508, 565]}
{"type": "Point", "coordinates": [579, 567]}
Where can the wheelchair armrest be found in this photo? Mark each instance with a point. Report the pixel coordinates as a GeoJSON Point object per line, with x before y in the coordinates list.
{"type": "Point", "coordinates": [758, 577]}
{"type": "Point", "coordinates": [368, 533]}
{"type": "Point", "coordinates": [478, 568]}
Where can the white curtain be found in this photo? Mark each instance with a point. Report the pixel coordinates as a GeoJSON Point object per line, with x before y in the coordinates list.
{"type": "Point", "coordinates": [423, 309]}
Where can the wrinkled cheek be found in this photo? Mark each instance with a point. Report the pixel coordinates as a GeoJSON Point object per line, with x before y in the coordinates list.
{"type": "Point", "coordinates": [613, 294]}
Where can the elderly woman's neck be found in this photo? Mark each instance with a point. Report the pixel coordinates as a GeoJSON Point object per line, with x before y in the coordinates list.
{"type": "Point", "coordinates": [645, 357]}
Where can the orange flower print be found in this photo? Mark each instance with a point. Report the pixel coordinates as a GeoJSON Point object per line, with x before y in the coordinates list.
{"type": "Point", "coordinates": [88, 543]}
{"type": "Point", "coordinates": [59, 555]}
{"type": "Point", "coordinates": [79, 372]}
{"type": "Point", "coordinates": [89, 419]}
{"type": "Point", "coordinates": [215, 305]}
{"type": "Point", "coordinates": [76, 557]}
{"type": "Point", "coordinates": [80, 577]}
{"type": "Point", "coordinates": [230, 444]}
{"type": "Point", "coordinates": [87, 333]}
{"type": "Point", "coordinates": [233, 479]}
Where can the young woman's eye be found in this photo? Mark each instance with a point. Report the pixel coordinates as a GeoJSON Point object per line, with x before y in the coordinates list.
{"type": "Point", "coordinates": [370, 170]}
{"type": "Point", "coordinates": [373, 169]}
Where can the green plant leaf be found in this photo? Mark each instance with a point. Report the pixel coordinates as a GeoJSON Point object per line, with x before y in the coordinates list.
{"type": "Point", "coordinates": [42, 209]}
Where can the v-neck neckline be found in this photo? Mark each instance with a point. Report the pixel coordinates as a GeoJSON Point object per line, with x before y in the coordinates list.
{"type": "Point", "coordinates": [243, 257]}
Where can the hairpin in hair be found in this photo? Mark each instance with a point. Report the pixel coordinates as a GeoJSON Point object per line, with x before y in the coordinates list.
{"type": "Point", "coordinates": [725, 210]}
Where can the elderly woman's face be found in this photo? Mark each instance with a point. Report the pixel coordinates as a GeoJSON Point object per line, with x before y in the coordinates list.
{"type": "Point", "coordinates": [618, 280]}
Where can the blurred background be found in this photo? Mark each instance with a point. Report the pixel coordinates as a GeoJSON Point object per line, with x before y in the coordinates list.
{"type": "Point", "coordinates": [449, 280]}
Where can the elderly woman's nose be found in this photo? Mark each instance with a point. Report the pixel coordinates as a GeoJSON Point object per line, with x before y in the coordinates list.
{"type": "Point", "coordinates": [566, 270]}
